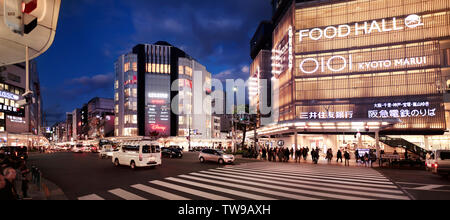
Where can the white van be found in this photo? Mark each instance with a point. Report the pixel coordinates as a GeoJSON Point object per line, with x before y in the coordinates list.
{"type": "Point", "coordinates": [138, 154]}
{"type": "Point", "coordinates": [106, 151]}
{"type": "Point", "coordinates": [441, 162]}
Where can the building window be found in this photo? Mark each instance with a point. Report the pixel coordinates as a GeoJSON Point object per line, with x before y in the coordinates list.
{"type": "Point", "coordinates": [188, 71]}
{"type": "Point", "coordinates": [134, 66]}
{"type": "Point", "coordinates": [126, 67]}
{"type": "Point", "coordinates": [116, 85]}
{"type": "Point", "coordinates": [181, 70]}
{"type": "Point", "coordinates": [117, 96]}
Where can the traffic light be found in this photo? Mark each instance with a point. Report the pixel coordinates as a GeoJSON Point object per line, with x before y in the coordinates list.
{"type": "Point", "coordinates": [18, 17]}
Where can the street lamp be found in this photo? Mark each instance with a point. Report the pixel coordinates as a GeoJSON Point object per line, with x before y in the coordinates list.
{"type": "Point", "coordinates": [235, 90]}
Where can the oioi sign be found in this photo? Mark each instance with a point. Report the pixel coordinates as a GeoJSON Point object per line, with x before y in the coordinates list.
{"type": "Point", "coordinates": [412, 21]}
{"type": "Point", "coordinates": [325, 65]}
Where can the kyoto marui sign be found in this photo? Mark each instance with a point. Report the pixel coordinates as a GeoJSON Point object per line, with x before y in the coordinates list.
{"type": "Point", "coordinates": [314, 65]}
{"type": "Point", "coordinates": [341, 31]}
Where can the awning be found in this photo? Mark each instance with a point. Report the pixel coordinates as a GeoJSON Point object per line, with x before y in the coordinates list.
{"type": "Point", "coordinates": [12, 45]}
{"type": "Point", "coordinates": [327, 126]}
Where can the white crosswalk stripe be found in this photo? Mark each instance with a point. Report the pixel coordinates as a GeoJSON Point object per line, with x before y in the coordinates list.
{"type": "Point", "coordinates": [126, 195]}
{"type": "Point", "coordinates": [190, 191]}
{"type": "Point", "coordinates": [91, 197]}
{"type": "Point", "coordinates": [338, 180]}
{"type": "Point", "coordinates": [224, 190]}
{"type": "Point", "coordinates": [159, 193]}
{"type": "Point", "coordinates": [264, 181]}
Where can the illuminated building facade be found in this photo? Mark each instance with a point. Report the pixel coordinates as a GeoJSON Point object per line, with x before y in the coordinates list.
{"type": "Point", "coordinates": [20, 125]}
{"type": "Point", "coordinates": [362, 66]}
{"type": "Point", "coordinates": [148, 80]}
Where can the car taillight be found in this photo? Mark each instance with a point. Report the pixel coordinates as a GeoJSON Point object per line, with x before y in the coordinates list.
{"type": "Point", "coordinates": [141, 158]}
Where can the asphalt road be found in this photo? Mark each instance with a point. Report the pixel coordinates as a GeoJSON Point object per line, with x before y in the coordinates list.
{"type": "Point", "coordinates": [85, 176]}
{"type": "Point", "coordinates": [82, 174]}
{"type": "Point", "coordinates": [420, 184]}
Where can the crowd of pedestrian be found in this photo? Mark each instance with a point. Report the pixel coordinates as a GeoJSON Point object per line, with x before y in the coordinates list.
{"type": "Point", "coordinates": [11, 176]}
{"type": "Point", "coordinates": [280, 154]}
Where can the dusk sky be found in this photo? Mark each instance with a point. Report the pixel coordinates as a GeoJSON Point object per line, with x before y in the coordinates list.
{"type": "Point", "coordinates": [92, 34]}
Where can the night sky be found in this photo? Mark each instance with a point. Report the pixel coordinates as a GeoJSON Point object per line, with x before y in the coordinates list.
{"type": "Point", "coordinates": [92, 34]}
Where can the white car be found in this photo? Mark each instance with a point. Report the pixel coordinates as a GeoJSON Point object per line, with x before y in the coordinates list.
{"type": "Point", "coordinates": [138, 154]}
{"type": "Point", "coordinates": [215, 156]}
{"type": "Point", "coordinates": [441, 162]}
{"type": "Point", "coordinates": [106, 151]}
{"type": "Point", "coordinates": [77, 149]}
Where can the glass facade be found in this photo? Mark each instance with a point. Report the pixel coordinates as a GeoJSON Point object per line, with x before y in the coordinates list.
{"type": "Point", "coordinates": [377, 59]}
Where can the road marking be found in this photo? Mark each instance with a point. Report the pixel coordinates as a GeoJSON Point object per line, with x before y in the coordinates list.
{"type": "Point", "coordinates": [253, 189]}
{"type": "Point", "coordinates": [312, 188]}
{"type": "Point", "coordinates": [428, 187]}
{"type": "Point", "coordinates": [347, 184]}
{"type": "Point", "coordinates": [349, 181]}
{"type": "Point", "coordinates": [190, 191]}
{"type": "Point", "coordinates": [253, 183]}
{"type": "Point", "coordinates": [92, 197]}
{"type": "Point", "coordinates": [322, 173]}
{"type": "Point", "coordinates": [220, 189]}
{"type": "Point", "coordinates": [159, 193]}
{"type": "Point", "coordinates": [125, 195]}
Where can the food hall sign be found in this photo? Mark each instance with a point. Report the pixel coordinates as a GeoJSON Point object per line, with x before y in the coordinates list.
{"type": "Point", "coordinates": [412, 21]}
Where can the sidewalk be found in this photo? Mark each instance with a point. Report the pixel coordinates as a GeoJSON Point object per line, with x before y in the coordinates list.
{"type": "Point", "coordinates": [47, 191]}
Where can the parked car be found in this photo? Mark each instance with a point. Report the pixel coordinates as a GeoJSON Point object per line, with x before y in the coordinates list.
{"type": "Point", "coordinates": [16, 153]}
{"type": "Point", "coordinates": [138, 154]}
{"type": "Point", "coordinates": [215, 156]}
{"type": "Point", "coordinates": [171, 152]}
{"type": "Point", "coordinates": [106, 151]}
{"type": "Point", "coordinates": [87, 149]}
{"type": "Point", "coordinates": [441, 163]}
{"type": "Point", "coordinates": [429, 163]}
{"type": "Point", "coordinates": [94, 149]}
{"type": "Point", "coordinates": [78, 149]}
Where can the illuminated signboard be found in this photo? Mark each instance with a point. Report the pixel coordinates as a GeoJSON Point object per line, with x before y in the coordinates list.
{"type": "Point", "coordinates": [157, 107]}
{"type": "Point", "coordinates": [341, 31]}
{"type": "Point", "coordinates": [346, 62]}
{"type": "Point", "coordinates": [283, 55]}
{"type": "Point", "coordinates": [313, 65]}
{"type": "Point", "coordinates": [326, 115]}
{"type": "Point", "coordinates": [8, 95]}
{"type": "Point", "coordinates": [402, 110]}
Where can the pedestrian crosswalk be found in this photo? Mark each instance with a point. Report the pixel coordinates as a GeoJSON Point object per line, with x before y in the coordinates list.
{"type": "Point", "coordinates": [264, 181]}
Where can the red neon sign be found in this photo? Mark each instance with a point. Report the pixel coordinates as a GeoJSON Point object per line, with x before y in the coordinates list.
{"type": "Point", "coordinates": [159, 128]}
{"type": "Point", "coordinates": [158, 102]}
